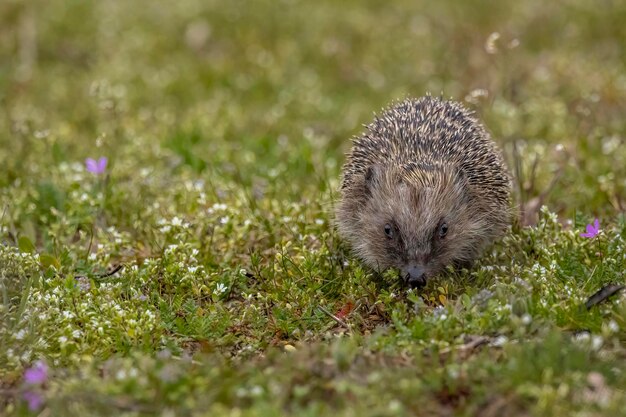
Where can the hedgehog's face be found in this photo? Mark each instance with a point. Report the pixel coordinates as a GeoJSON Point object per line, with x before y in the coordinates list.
{"type": "Point", "coordinates": [415, 220]}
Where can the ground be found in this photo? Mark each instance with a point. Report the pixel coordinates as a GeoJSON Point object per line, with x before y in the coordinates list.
{"type": "Point", "coordinates": [199, 273]}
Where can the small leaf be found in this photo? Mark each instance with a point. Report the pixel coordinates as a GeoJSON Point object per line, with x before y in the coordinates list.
{"type": "Point", "coordinates": [48, 260]}
{"type": "Point", "coordinates": [70, 282]}
{"type": "Point", "coordinates": [25, 245]}
{"type": "Point", "coordinates": [466, 301]}
{"type": "Point", "coordinates": [345, 310]}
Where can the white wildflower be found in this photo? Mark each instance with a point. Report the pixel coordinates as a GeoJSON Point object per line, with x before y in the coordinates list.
{"type": "Point", "coordinates": [499, 341]}
{"type": "Point", "coordinates": [217, 207]}
{"type": "Point", "coordinates": [220, 289]}
{"type": "Point", "coordinates": [490, 44]}
{"type": "Point", "coordinates": [198, 185]}
{"type": "Point", "coordinates": [475, 95]}
{"type": "Point", "coordinates": [256, 391]}
{"type": "Point", "coordinates": [596, 342]}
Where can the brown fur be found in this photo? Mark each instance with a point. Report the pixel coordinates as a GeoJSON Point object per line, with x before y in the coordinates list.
{"type": "Point", "coordinates": [422, 163]}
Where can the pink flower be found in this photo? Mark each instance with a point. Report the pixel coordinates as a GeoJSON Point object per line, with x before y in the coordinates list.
{"type": "Point", "coordinates": [36, 374]}
{"type": "Point", "coordinates": [96, 167]}
{"type": "Point", "coordinates": [592, 230]}
{"type": "Point", "coordinates": [34, 400]}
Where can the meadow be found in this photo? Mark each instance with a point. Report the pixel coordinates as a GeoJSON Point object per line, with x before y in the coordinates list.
{"type": "Point", "coordinates": [191, 267]}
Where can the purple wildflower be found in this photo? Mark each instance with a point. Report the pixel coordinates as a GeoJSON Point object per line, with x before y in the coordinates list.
{"type": "Point", "coordinates": [83, 283]}
{"type": "Point", "coordinates": [592, 230]}
{"type": "Point", "coordinates": [164, 354]}
{"type": "Point", "coordinates": [36, 374]}
{"type": "Point", "coordinates": [96, 167]}
{"type": "Point", "coordinates": [34, 400]}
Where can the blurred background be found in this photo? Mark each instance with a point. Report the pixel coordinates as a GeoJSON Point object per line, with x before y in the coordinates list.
{"type": "Point", "coordinates": [269, 92]}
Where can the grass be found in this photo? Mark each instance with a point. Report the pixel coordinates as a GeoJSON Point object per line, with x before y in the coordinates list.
{"type": "Point", "coordinates": [201, 274]}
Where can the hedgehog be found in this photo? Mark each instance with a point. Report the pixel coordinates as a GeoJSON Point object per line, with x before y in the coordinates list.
{"type": "Point", "coordinates": [424, 187]}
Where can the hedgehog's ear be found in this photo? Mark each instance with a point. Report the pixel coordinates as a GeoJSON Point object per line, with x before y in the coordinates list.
{"type": "Point", "coordinates": [369, 174]}
{"type": "Point", "coordinates": [370, 177]}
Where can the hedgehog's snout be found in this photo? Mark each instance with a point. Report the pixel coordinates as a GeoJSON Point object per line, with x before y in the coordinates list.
{"type": "Point", "coordinates": [415, 276]}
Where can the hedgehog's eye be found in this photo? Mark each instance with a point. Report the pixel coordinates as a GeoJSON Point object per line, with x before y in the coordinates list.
{"type": "Point", "coordinates": [389, 231]}
{"type": "Point", "coordinates": [443, 230]}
